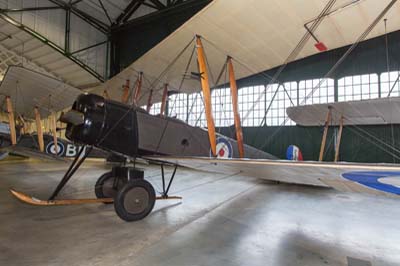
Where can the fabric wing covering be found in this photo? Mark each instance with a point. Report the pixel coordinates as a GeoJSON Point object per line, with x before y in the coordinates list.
{"type": "Point", "coordinates": [367, 112]}
{"type": "Point", "coordinates": [375, 179]}
{"type": "Point", "coordinates": [260, 34]}
{"type": "Point", "coordinates": [29, 89]}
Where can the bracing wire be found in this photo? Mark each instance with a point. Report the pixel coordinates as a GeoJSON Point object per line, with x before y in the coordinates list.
{"type": "Point", "coordinates": [152, 86]}
{"type": "Point", "coordinates": [340, 61]}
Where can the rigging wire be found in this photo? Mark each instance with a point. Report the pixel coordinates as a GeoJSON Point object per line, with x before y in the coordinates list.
{"type": "Point", "coordinates": [388, 71]}
{"type": "Point", "coordinates": [292, 56]}
{"type": "Point", "coordinates": [339, 62]}
{"type": "Point", "coordinates": [152, 86]}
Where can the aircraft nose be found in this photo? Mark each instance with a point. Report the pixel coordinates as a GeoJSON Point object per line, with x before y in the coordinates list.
{"type": "Point", "coordinates": [73, 117]}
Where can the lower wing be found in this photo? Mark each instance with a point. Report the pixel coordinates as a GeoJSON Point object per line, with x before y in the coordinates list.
{"type": "Point", "coordinates": [377, 179]}
{"type": "Point", "coordinates": [30, 153]}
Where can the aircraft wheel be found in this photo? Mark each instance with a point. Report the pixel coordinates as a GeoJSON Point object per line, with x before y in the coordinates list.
{"type": "Point", "coordinates": [104, 187]}
{"type": "Point", "coordinates": [135, 200]}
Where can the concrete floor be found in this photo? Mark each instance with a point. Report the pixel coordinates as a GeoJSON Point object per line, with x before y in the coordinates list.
{"type": "Point", "coordinates": [222, 220]}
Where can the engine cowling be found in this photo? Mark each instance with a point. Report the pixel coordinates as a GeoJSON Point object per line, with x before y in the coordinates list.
{"type": "Point", "coordinates": [106, 124]}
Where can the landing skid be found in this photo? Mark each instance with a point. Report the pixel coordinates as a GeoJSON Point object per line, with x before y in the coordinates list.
{"type": "Point", "coordinates": [59, 202]}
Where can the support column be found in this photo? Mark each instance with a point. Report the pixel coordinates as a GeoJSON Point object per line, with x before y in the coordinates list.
{"type": "Point", "coordinates": [338, 139]}
{"type": "Point", "coordinates": [138, 88]}
{"type": "Point", "coordinates": [235, 105]}
{"type": "Point", "coordinates": [125, 94]}
{"type": "Point", "coordinates": [11, 121]}
{"type": "Point", "coordinates": [53, 125]}
{"type": "Point", "coordinates": [327, 121]}
{"type": "Point", "coordinates": [39, 130]}
{"type": "Point", "coordinates": [164, 100]}
{"type": "Point", "coordinates": [149, 101]}
{"type": "Point", "coordinates": [205, 86]}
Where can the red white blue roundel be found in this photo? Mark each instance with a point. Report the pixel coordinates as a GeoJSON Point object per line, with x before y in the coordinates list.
{"type": "Point", "coordinates": [384, 181]}
{"type": "Point", "coordinates": [51, 148]}
{"type": "Point", "coordinates": [293, 153]}
{"type": "Point", "coordinates": [224, 148]}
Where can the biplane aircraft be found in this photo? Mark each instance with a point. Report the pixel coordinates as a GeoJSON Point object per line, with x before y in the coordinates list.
{"type": "Point", "coordinates": [126, 130]}
{"type": "Point", "coordinates": [30, 96]}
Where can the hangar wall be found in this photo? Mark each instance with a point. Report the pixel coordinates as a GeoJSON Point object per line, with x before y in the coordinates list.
{"type": "Point", "coordinates": [356, 144]}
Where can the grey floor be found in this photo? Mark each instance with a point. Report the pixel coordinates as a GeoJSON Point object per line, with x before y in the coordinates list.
{"type": "Point", "coordinates": [222, 220]}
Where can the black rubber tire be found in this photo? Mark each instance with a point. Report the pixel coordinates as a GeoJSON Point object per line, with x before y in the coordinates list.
{"type": "Point", "coordinates": [103, 187]}
{"type": "Point", "coordinates": [137, 194]}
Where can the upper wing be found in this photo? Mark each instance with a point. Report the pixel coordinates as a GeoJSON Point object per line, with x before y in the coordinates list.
{"type": "Point", "coordinates": [36, 90]}
{"type": "Point", "coordinates": [378, 179]}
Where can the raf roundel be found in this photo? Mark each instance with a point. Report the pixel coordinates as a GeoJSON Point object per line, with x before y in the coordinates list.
{"type": "Point", "coordinates": [388, 182]}
{"type": "Point", "coordinates": [224, 148]}
{"type": "Point", "coordinates": [51, 148]}
{"type": "Point", "coordinates": [293, 153]}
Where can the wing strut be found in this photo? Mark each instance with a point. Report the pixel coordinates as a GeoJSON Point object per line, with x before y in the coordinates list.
{"type": "Point", "coordinates": [164, 100]}
{"type": "Point", "coordinates": [339, 138]}
{"type": "Point", "coordinates": [327, 121]}
{"type": "Point", "coordinates": [39, 129]}
{"type": "Point", "coordinates": [149, 101]}
{"type": "Point", "coordinates": [234, 93]}
{"type": "Point", "coordinates": [11, 121]}
{"type": "Point", "coordinates": [138, 88]}
{"type": "Point", "coordinates": [125, 94]}
{"type": "Point", "coordinates": [205, 86]}
{"type": "Point", "coordinates": [53, 124]}
{"type": "Point", "coordinates": [105, 94]}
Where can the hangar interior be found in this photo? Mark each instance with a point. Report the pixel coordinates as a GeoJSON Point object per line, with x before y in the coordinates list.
{"type": "Point", "coordinates": [286, 54]}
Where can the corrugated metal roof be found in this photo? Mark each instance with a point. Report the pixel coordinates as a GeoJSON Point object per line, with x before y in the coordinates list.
{"type": "Point", "coordinates": [21, 44]}
{"type": "Point", "coordinates": [115, 8]}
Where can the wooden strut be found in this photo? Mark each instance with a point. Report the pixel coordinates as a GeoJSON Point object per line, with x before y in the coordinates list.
{"type": "Point", "coordinates": [24, 126]}
{"type": "Point", "coordinates": [11, 121]}
{"type": "Point", "coordinates": [338, 139]}
{"type": "Point", "coordinates": [53, 123]}
{"type": "Point", "coordinates": [125, 93]}
{"type": "Point", "coordinates": [39, 130]}
{"type": "Point", "coordinates": [205, 86]}
{"type": "Point", "coordinates": [235, 105]}
{"type": "Point", "coordinates": [58, 202]}
{"type": "Point", "coordinates": [327, 121]}
{"type": "Point", "coordinates": [106, 95]}
{"type": "Point", "coordinates": [138, 88]}
{"type": "Point", "coordinates": [149, 101]}
{"type": "Point", "coordinates": [164, 100]}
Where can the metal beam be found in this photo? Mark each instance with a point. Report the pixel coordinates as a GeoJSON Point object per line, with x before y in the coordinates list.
{"type": "Point", "coordinates": [51, 44]}
{"type": "Point", "coordinates": [86, 17]}
{"type": "Point", "coordinates": [150, 5]}
{"type": "Point", "coordinates": [74, 2]}
{"type": "Point", "coordinates": [10, 10]}
{"type": "Point", "coordinates": [105, 12]}
{"type": "Point", "coordinates": [89, 47]}
{"type": "Point", "coordinates": [158, 4]}
{"type": "Point", "coordinates": [129, 10]}
{"type": "Point", "coordinates": [169, 11]}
